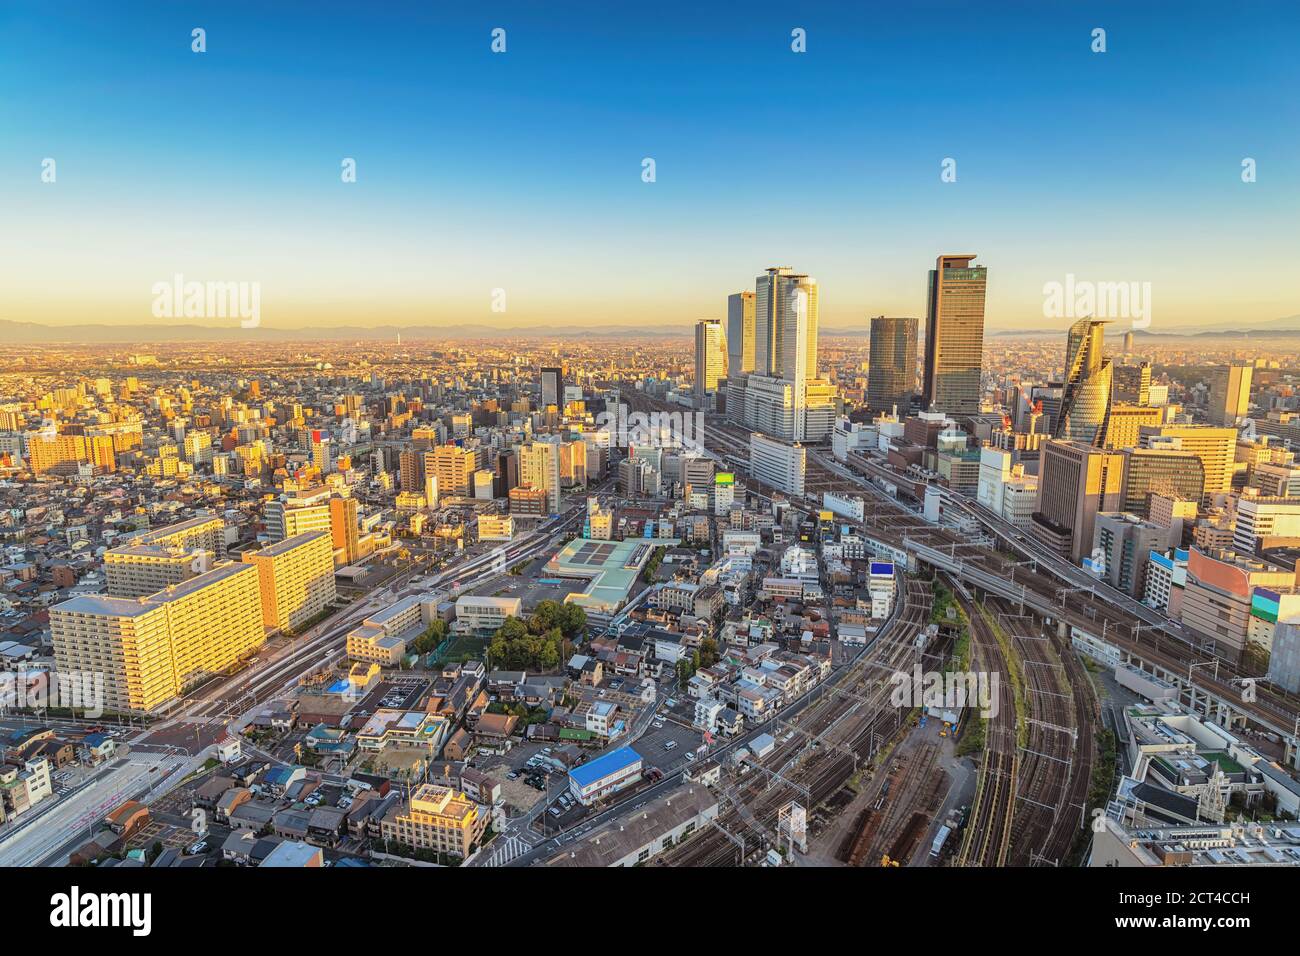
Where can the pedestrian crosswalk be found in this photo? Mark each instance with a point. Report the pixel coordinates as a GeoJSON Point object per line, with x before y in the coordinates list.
{"type": "Point", "coordinates": [508, 848]}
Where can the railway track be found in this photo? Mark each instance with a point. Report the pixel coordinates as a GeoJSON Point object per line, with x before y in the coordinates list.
{"type": "Point", "coordinates": [850, 721]}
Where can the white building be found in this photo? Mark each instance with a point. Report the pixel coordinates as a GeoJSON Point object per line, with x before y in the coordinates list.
{"type": "Point", "coordinates": [775, 463]}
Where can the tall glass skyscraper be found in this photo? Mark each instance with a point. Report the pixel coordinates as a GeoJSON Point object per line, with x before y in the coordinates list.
{"type": "Point", "coordinates": [891, 375]}
{"type": "Point", "coordinates": [954, 336]}
{"type": "Point", "coordinates": [1085, 404]}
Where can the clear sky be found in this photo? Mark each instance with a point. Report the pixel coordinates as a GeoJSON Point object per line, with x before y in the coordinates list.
{"type": "Point", "coordinates": [522, 170]}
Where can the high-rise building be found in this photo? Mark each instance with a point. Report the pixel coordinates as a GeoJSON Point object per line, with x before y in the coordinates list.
{"type": "Point", "coordinates": [1125, 422]}
{"type": "Point", "coordinates": [552, 387]}
{"type": "Point", "coordinates": [152, 649]}
{"type": "Point", "coordinates": [891, 373]}
{"type": "Point", "coordinates": [954, 336]}
{"type": "Point", "coordinates": [1216, 447]}
{"type": "Point", "coordinates": [139, 570]}
{"type": "Point", "coordinates": [539, 467]}
{"type": "Point", "coordinates": [1229, 393]}
{"type": "Point", "coordinates": [1131, 384]}
{"type": "Point", "coordinates": [1076, 482]}
{"type": "Point", "coordinates": [785, 325]}
{"type": "Point", "coordinates": [1150, 471]}
{"type": "Point", "coordinates": [452, 465]}
{"type": "Point", "coordinates": [1121, 547]}
{"type": "Point", "coordinates": [296, 579]}
{"type": "Point", "coordinates": [740, 336]}
{"type": "Point", "coordinates": [345, 533]}
{"type": "Point", "coordinates": [1085, 404]}
{"type": "Point", "coordinates": [777, 394]}
{"type": "Point", "coordinates": [710, 357]}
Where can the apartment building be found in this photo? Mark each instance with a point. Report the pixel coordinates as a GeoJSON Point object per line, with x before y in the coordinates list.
{"type": "Point", "coordinates": [296, 578]}
{"type": "Point", "coordinates": [151, 649]}
{"type": "Point", "coordinates": [139, 570]}
{"type": "Point", "coordinates": [437, 818]}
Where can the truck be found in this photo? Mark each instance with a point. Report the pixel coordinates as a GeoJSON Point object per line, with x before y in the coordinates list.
{"type": "Point", "coordinates": [940, 839]}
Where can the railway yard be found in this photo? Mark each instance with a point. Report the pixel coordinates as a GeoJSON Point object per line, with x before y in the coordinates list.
{"type": "Point", "coordinates": [848, 751]}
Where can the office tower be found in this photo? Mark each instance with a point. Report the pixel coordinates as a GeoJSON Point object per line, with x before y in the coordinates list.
{"type": "Point", "coordinates": [1076, 482]}
{"type": "Point", "coordinates": [452, 465]}
{"type": "Point", "coordinates": [954, 336]}
{"type": "Point", "coordinates": [1173, 513]}
{"type": "Point", "coordinates": [1125, 423]}
{"type": "Point", "coordinates": [154, 648]}
{"type": "Point", "coordinates": [785, 359]}
{"type": "Point", "coordinates": [507, 470]}
{"type": "Point", "coordinates": [785, 324]}
{"type": "Point", "coordinates": [1131, 384]}
{"type": "Point", "coordinates": [1229, 393]}
{"type": "Point", "coordinates": [345, 533]}
{"type": "Point", "coordinates": [891, 374]}
{"type": "Point", "coordinates": [552, 387]}
{"type": "Point", "coordinates": [1260, 518]}
{"type": "Point", "coordinates": [740, 336]}
{"type": "Point", "coordinates": [139, 570]}
{"type": "Point", "coordinates": [1128, 343]}
{"type": "Point", "coordinates": [539, 467]}
{"type": "Point", "coordinates": [1148, 472]}
{"type": "Point", "coordinates": [1275, 480]}
{"type": "Point", "coordinates": [710, 357]}
{"type": "Point", "coordinates": [1215, 447]}
{"type": "Point", "coordinates": [1085, 404]}
{"type": "Point", "coordinates": [779, 464]}
{"type": "Point", "coordinates": [295, 579]}
{"type": "Point", "coordinates": [697, 474]}
{"type": "Point", "coordinates": [770, 406]}
{"type": "Point", "coordinates": [1121, 546]}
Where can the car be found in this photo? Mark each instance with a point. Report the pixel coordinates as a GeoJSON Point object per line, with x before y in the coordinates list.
{"type": "Point", "coordinates": [554, 811]}
{"type": "Point", "coordinates": [546, 750]}
{"type": "Point", "coordinates": [670, 745]}
{"type": "Point", "coordinates": [690, 755]}
{"type": "Point", "coordinates": [658, 725]}
{"type": "Point", "coordinates": [513, 775]}
{"type": "Point", "coordinates": [195, 849]}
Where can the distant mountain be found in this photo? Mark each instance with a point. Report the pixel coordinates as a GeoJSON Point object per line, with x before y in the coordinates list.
{"type": "Point", "coordinates": [1270, 328]}
{"type": "Point", "coordinates": [32, 333]}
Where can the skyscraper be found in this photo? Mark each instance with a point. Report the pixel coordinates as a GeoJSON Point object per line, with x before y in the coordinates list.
{"type": "Point", "coordinates": [785, 358]}
{"type": "Point", "coordinates": [1229, 393]}
{"type": "Point", "coordinates": [954, 336]}
{"type": "Point", "coordinates": [785, 325]}
{"type": "Point", "coordinates": [710, 357]}
{"type": "Point", "coordinates": [1076, 482]}
{"type": "Point", "coordinates": [891, 377]}
{"type": "Point", "coordinates": [552, 387]}
{"type": "Point", "coordinates": [1085, 405]}
{"type": "Point", "coordinates": [740, 335]}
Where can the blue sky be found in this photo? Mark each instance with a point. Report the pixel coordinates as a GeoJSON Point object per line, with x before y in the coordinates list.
{"type": "Point", "coordinates": [522, 171]}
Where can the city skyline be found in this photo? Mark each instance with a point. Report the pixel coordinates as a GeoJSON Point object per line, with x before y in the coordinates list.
{"type": "Point", "coordinates": [527, 175]}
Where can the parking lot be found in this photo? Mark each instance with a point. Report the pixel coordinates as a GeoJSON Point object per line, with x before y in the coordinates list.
{"type": "Point", "coordinates": [655, 750]}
